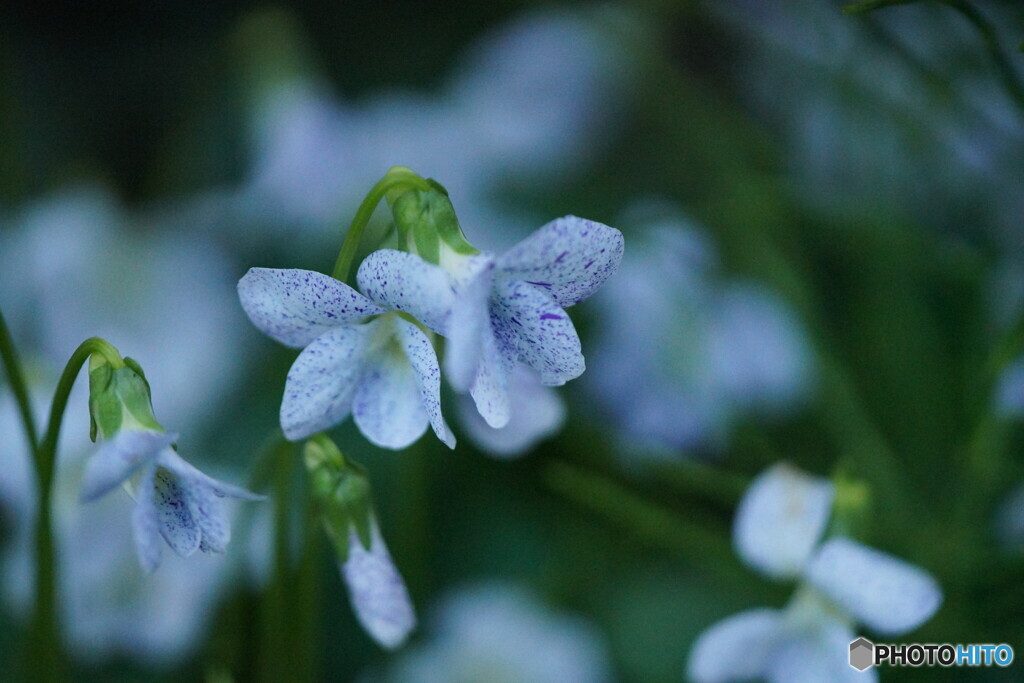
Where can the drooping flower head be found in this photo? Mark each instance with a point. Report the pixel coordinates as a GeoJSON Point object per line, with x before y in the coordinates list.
{"type": "Point", "coordinates": [376, 589]}
{"type": "Point", "coordinates": [172, 498]}
{"type": "Point", "coordinates": [778, 531]}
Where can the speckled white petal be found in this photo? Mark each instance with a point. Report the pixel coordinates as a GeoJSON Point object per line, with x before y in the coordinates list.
{"type": "Point", "coordinates": [884, 593]}
{"type": "Point", "coordinates": [207, 509]}
{"type": "Point", "coordinates": [118, 459]}
{"type": "Point", "coordinates": [423, 360]}
{"type": "Point", "coordinates": [387, 405]}
{"type": "Point", "coordinates": [537, 412]}
{"type": "Point", "coordinates": [177, 525]}
{"type": "Point", "coordinates": [570, 258]}
{"type": "Point", "coordinates": [379, 597]}
{"type": "Point", "coordinates": [545, 338]}
{"type": "Point", "coordinates": [405, 282]}
{"type": "Point", "coordinates": [297, 306]}
{"type": "Point", "coordinates": [320, 384]}
{"type": "Point", "coordinates": [780, 520]}
{"type": "Point", "coordinates": [490, 389]}
{"type": "Point", "coordinates": [145, 524]}
{"type": "Point", "coordinates": [737, 648]}
{"type": "Point", "coordinates": [469, 324]}
{"type": "Point", "coordinates": [170, 460]}
{"type": "Point", "coordinates": [816, 653]}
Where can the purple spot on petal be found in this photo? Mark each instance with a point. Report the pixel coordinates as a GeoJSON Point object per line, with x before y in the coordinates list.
{"type": "Point", "coordinates": [550, 316]}
{"type": "Point", "coordinates": [561, 256]}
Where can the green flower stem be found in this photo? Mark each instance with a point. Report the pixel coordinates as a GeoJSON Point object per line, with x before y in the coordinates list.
{"type": "Point", "coordinates": [308, 597]}
{"type": "Point", "coordinates": [277, 633]}
{"type": "Point", "coordinates": [392, 181]}
{"type": "Point", "coordinates": [45, 651]}
{"type": "Point", "coordinates": [14, 374]}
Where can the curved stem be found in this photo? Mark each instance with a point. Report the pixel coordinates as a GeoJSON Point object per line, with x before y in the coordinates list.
{"type": "Point", "coordinates": [391, 181]}
{"type": "Point", "coordinates": [13, 367]}
{"type": "Point", "coordinates": [45, 651]}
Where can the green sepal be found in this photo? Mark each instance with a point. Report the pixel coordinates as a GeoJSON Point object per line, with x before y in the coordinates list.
{"type": "Point", "coordinates": [341, 491]}
{"type": "Point", "coordinates": [104, 408]}
{"type": "Point", "coordinates": [426, 219]}
{"type": "Point", "coordinates": [117, 397]}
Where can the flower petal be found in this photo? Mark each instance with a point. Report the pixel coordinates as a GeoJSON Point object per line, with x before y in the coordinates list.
{"type": "Point", "coordinates": [490, 388]}
{"type": "Point", "coordinates": [469, 324]}
{"type": "Point", "coordinates": [544, 337]}
{"type": "Point", "coordinates": [815, 653]}
{"type": "Point", "coordinates": [320, 384]}
{"type": "Point", "coordinates": [536, 412]}
{"type": "Point", "coordinates": [297, 306]}
{"type": "Point", "coordinates": [379, 597]}
{"type": "Point", "coordinates": [886, 594]}
{"type": "Point", "coordinates": [118, 459]}
{"type": "Point", "coordinates": [177, 525]}
{"type": "Point", "coordinates": [145, 524]}
{"type": "Point", "coordinates": [405, 282]}
{"type": "Point", "coordinates": [423, 360]}
{"type": "Point", "coordinates": [736, 648]}
{"type": "Point", "coordinates": [570, 258]}
{"type": "Point", "coordinates": [170, 460]}
{"type": "Point", "coordinates": [780, 520]}
{"type": "Point", "coordinates": [387, 405]}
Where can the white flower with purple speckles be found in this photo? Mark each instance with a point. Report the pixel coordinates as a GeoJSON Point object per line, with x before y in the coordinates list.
{"type": "Point", "coordinates": [377, 591]}
{"type": "Point", "coordinates": [383, 371]}
{"type": "Point", "coordinates": [172, 498]}
{"type": "Point", "coordinates": [500, 310]}
{"type": "Point", "coordinates": [778, 531]}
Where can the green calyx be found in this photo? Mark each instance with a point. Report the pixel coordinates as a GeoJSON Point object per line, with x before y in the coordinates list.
{"type": "Point", "coordinates": [427, 223]}
{"type": "Point", "coordinates": [119, 398]}
{"type": "Point", "coordinates": [851, 507]}
{"type": "Point", "coordinates": [342, 493]}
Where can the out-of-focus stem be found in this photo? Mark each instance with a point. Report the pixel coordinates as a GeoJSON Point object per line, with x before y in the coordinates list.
{"type": "Point", "coordinates": [14, 375]}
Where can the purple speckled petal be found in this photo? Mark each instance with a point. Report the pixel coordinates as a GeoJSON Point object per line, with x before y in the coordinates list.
{"type": "Point", "coordinates": [490, 388]}
{"type": "Point", "coordinates": [469, 324]}
{"type": "Point", "coordinates": [423, 360]}
{"type": "Point", "coordinates": [387, 405]}
{"type": "Point", "coordinates": [537, 412]}
{"type": "Point", "coordinates": [118, 459]}
{"type": "Point", "coordinates": [320, 384]}
{"type": "Point", "coordinates": [192, 476]}
{"type": "Point", "coordinates": [145, 525]}
{"type": "Point", "coordinates": [379, 597]}
{"type": "Point", "coordinates": [296, 306]}
{"type": "Point", "coordinates": [177, 526]}
{"type": "Point", "coordinates": [545, 337]}
{"type": "Point", "coordinates": [570, 258]}
{"type": "Point", "coordinates": [407, 283]}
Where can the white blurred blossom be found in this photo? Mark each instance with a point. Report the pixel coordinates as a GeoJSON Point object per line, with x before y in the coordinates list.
{"type": "Point", "coordinates": [501, 633]}
{"type": "Point", "coordinates": [679, 351]}
{"type": "Point", "coordinates": [779, 530]}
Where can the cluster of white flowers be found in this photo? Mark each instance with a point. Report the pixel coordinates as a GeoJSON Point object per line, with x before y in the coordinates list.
{"type": "Point", "coordinates": [362, 356]}
{"type": "Point", "coordinates": [778, 531]}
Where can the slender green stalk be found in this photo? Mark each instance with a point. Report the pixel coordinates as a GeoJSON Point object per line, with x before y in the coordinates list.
{"type": "Point", "coordinates": [391, 181]}
{"type": "Point", "coordinates": [45, 652]}
{"type": "Point", "coordinates": [17, 380]}
{"type": "Point", "coordinates": [277, 634]}
{"type": "Point", "coordinates": [308, 598]}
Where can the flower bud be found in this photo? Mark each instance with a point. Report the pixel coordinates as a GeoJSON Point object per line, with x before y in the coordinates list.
{"type": "Point", "coordinates": [119, 399]}
{"type": "Point", "coordinates": [427, 224]}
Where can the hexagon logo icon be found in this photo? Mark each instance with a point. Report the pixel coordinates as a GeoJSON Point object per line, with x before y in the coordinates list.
{"type": "Point", "coordinates": [862, 654]}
